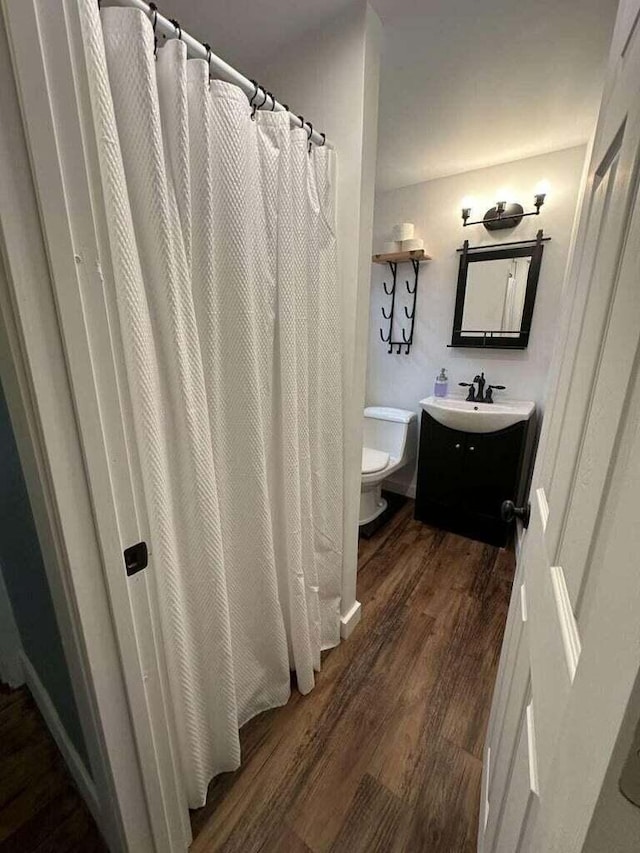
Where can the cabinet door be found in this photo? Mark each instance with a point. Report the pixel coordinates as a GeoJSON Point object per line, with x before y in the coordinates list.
{"type": "Point", "coordinates": [440, 463]}
{"type": "Point", "coordinates": [490, 470]}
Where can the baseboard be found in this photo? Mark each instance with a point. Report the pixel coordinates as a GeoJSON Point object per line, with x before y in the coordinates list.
{"type": "Point", "coordinates": [71, 757]}
{"type": "Point", "coordinates": [401, 489]}
{"type": "Point", "coordinates": [349, 621]}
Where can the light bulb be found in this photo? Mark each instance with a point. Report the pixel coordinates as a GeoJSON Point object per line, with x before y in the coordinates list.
{"type": "Point", "coordinates": [505, 194]}
{"type": "Point", "coordinates": [542, 188]}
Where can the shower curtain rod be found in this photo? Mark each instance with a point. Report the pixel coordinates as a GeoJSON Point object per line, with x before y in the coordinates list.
{"type": "Point", "coordinates": [196, 50]}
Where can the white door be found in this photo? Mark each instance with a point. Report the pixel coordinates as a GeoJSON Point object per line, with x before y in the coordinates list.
{"type": "Point", "coordinates": [48, 60]}
{"type": "Point", "coordinates": [570, 655]}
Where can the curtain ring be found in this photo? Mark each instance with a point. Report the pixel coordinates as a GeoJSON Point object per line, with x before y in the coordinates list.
{"type": "Point", "coordinates": [153, 8]}
{"type": "Point", "coordinates": [310, 131]}
{"type": "Point", "coordinates": [252, 98]}
{"type": "Point", "coordinates": [324, 138]}
{"type": "Point", "coordinates": [273, 101]}
{"type": "Point", "coordinates": [302, 122]}
{"type": "Point", "coordinates": [207, 47]}
{"type": "Point", "coordinates": [177, 28]}
{"type": "Point", "coordinates": [255, 105]}
{"type": "Point", "coordinates": [252, 102]}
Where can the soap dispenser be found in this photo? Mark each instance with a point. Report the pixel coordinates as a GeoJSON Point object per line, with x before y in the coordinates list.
{"type": "Point", "coordinates": [441, 384]}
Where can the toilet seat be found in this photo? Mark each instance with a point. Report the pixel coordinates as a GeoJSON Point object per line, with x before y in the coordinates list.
{"type": "Point", "coordinates": [373, 460]}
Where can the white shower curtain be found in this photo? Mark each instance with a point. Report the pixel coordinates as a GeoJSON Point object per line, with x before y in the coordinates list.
{"type": "Point", "coordinates": [223, 246]}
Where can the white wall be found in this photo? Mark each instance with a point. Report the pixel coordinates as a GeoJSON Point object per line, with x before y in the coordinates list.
{"type": "Point", "coordinates": [331, 78]}
{"type": "Point", "coordinates": [11, 671]}
{"type": "Point", "coordinates": [434, 207]}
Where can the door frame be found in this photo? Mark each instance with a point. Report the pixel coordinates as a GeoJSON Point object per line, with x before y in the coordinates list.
{"type": "Point", "coordinates": [48, 229]}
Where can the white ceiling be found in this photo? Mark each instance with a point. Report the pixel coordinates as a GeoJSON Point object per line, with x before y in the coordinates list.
{"type": "Point", "coordinates": [472, 83]}
{"type": "Point", "coordinates": [246, 33]}
{"type": "Point", "coordinates": [464, 83]}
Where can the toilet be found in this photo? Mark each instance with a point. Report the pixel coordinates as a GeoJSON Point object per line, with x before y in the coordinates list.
{"type": "Point", "coordinates": [388, 443]}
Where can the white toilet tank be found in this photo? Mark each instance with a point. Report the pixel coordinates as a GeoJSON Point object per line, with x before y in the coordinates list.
{"type": "Point", "coordinates": [386, 429]}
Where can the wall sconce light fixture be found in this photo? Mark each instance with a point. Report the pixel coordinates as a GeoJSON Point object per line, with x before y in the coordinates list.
{"type": "Point", "coordinates": [504, 214]}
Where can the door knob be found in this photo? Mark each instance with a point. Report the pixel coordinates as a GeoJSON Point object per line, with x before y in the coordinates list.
{"type": "Point", "coordinates": [509, 512]}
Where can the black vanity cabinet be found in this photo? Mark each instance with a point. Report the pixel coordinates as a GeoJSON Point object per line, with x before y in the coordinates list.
{"type": "Point", "coordinates": [463, 478]}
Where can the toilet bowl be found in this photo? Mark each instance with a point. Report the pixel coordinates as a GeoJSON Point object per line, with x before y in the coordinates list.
{"type": "Point", "coordinates": [387, 445]}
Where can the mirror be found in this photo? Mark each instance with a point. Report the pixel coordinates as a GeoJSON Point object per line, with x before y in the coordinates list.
{"type": "Point", "coordinates": [496, 295]}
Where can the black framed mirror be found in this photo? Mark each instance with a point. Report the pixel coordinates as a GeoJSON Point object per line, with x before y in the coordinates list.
{"type": "Point", "coordinates": [496, 294]}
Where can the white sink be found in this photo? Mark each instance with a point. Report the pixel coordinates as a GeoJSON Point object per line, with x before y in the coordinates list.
{"type": "Point", "coordinates": [465, 416]}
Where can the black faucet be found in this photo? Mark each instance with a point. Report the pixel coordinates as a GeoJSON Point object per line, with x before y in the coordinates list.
{"type": "Point", "coordinates": [481, 396]}
{"type": "Point", "coordinates": [471, 396]}
{"type": "Point", "coordinates": [479, 378]}
{"type": "Point", "coordinates": [488, 397]}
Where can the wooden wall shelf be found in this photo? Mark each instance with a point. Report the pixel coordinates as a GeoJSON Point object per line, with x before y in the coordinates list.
{"type": "Point", "coordinates": [401, 257]}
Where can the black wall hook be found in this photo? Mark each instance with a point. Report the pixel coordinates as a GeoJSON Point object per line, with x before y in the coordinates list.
{"type": "Point", "coordinates": [411, 315]}
{"type": "Point", "coordinates": [387, 339]}
{"type": "Point", "coordinates": [407, 339]}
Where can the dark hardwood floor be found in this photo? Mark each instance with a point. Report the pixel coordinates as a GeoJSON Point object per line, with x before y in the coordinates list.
{"type": "Point", "coordinates": [386, 753]}
{"type": "Point", "coordinates": [40, 809]}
